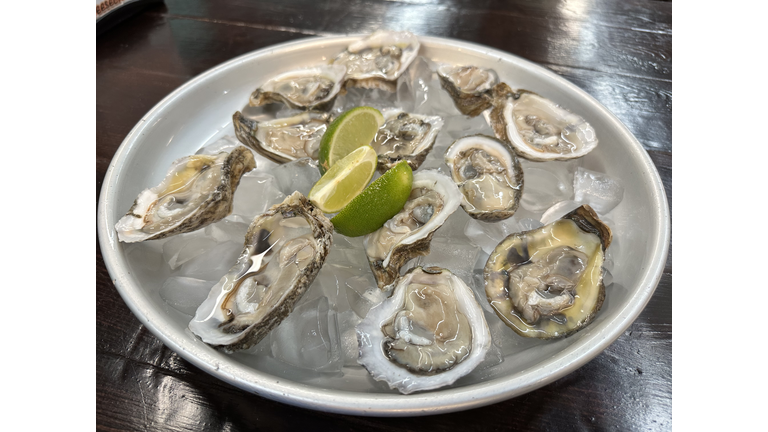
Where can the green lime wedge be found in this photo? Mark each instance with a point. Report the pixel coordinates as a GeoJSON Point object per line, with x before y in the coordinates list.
{"type": "Point", "coordinates": [356, 127]}
{"type": "Point", "coordinates": [344, 181]}
{"type": "Point", "coordinates": [378, 203]}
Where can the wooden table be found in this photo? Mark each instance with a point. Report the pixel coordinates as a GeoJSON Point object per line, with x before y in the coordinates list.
{"type": "Point", "coordinates": [618, 51]}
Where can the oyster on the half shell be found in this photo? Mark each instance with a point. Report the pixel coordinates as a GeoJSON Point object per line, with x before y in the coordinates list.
{"type": "Point", "coordinates": [548, 283]}
{"type": "Point", "coordinates": [405, 136]}
{"type": "Point", "coordinates": [378, 60]}
{"type": "Point", "coordinates": [488, 175]}
{"type": "Point", "coordinates": [430, 332]}
{"type": "Point", "coordinates": [283, 140]}
{"type": "Point", "coordinates": [536, 128]}
{"type": "Point", "coordinates": [407, 235]}
{"type": "Point", "coordinates": [283, 252]}
{"type": "Point", "coordinates": [469, 87]}
{"type": "Point", "coordinates": [197, 191]}
{"type": "Point", "coordinates": [313, 88]}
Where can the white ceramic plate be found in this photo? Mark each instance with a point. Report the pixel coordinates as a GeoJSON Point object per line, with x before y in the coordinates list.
{"type": "Point", "coordinates": [202, 109]}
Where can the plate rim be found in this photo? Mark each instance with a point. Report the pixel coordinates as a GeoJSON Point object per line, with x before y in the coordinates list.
{"type": "Point", "coordinates": [373, 404]}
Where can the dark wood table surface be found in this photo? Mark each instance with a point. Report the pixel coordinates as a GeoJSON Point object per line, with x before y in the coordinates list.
{"type": "Point", "coordinates": [618, 51]}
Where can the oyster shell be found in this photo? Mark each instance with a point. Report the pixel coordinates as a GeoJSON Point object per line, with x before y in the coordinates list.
{"type": "Point", "coordinates": [196, 192]}
{"type": "Point", "coordinates": [428, 334]}
{"type": "Point", "coordinates": [538, 129]}
{"type": "Point", "coordinates": [283, 252]}
{"type": "Point", "coordinates": [405, 136]}
{"type": "Point", "coordinates": [488, 175]}
{"type": "Point", "coordinates": [548, 283]}
{"type": "Point", "coordinates": [283, 140]}
{"type": "Point", "coordinates": [469, 87]}
{"type": "Point", "coordinates": [407, 235]}
{"type": "Point", "coordinates": [378, 60]}
{"type": "Point", "coordinates": [313, 88]}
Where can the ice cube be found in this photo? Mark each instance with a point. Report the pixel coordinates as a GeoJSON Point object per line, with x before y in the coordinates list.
{"type": "Point", "coordinates": [231, 228]}
{"type": "Point", "coordinates": [348, 337]}
{"type": "Point", "coordinates": [257, 192]}
{"type": "Point", "coordinates": [494, 355]}
{"type": "Point", "coordinates": [357, 96]}
{"type": "Point", "coordinates": [299, 175]}
{"type": "Point", "coordinates": [478, 285]}
{"type": "Point", "coordinates": [482, 237]}
{"type": "Point", "coordinates": [607, 277]}
{"type": "Point", "coordinates": [340, 241]}
{"type": "Point", "coordinates": [330, 283]}
{"type": "Point", "coordinates": [224, 144]}
{"type": "Point", "coordinates": [453, 227]}
{"type": "Point", "coordinates": [147, 256]}
{"type": "Point", "coordinates": [213, 263]}
{"type": "Point", "coordinates": [601, 191]}
{"type": "Point", "coordinates": [558, 210]}
{"type": "Point", "coordinates": [436, 157]}
{"type": "Point", "coordinates": [438, 100]}
{"type": "Point", "coordinates": [507, 340]}
{"type": "Point", "coordinates": [413, 85]}
{"type": "Point", "coordinates": [458, 126]}
{"type": "Point", "coordinates": [363, 294]}
{"type": "Point", "coordinates": [457, 256]}
{"type": "Point", "coordinates": [546, 183]}
{"type": "Point", "coordinates": [487, 235]}
{"type": "Point", "coordinates": [185, 294]}
{"type": "Point", "coordinates": [263, 348]}
{"type": "Point", "coordinates": [308, 338]}
{"type": "Point", "coordinates": [183, 247]}
{"type": "Point", "coordinates": [528, 224]}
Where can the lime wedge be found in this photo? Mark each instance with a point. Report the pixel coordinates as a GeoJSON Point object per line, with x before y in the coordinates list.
{"type": "Point", "coordinates": [353, 129]}
{"type": "Point", "coordinates": [378, 203]}
{"type": "Point", "coordinates": [344, 181]}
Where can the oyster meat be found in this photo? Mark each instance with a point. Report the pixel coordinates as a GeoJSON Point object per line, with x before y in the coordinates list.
{"type": "Point", "coordinates": [469, 87]}
{"type": "Point", "coordinates": [405, 136]}
{"type": "Point", "coordinates": [377, 61]}
{"type": "Point", "coordinates": [488, 175]}
{"type": "Point", "coordinates": [197, 191]}
{"type": "Point", "coordinates": [283, 140]}
{"type": "Point", "coordinates": [407, 235]}
{"type": "Point", "coordinates": [536, 128]}
{"type": "Point", "coordinates": [548, 283]}
{"type": "Point", "coordinates": [312, 88]}
{"type": "Point", "coordinates": [283, 252]}
{"type": "Point", "coordinates": [430, 332]}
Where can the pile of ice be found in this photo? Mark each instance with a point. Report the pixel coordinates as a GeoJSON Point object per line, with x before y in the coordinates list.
{"type": "Point", "coordinates": [320, 334]}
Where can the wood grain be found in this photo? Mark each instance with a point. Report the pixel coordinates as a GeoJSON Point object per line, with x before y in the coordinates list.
{"type": "Point", "coordinates": [620, 52]}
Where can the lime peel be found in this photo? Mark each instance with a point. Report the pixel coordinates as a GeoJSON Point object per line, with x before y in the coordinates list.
{"type": "Point", "coordinates": [377, 203]}
{"type": "Point", "coordinates": [354, 128]}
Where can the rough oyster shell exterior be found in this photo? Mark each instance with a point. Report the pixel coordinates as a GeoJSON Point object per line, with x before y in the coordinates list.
{"type": "Point", "coordinates": [565, 135]}
{"type": "Point", "coordinates": [386, 261]}
{"type": "Point", "coordinates": [214, 206]}
{"type": "Point", "coordinates": [580, 230]}
{"type": "Point", "coordinates": [512, 176]}
{"type": "Point", "coordinates": [372, 339]}
{"type": "Point", "coordinates": [366, 62]}
{"type": "Point", "coordinates": [420, 150]}
{"type": "Point", "coordinates": [323, 83]}
{"type": "Point", "coordinates": [470, 102]}
{"type": "Point", "coordinates": [298, 127]}
{"type": "Point", "coordinates": [213, 324]}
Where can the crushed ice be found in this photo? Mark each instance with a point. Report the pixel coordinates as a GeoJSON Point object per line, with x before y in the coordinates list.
{"type": "Point", "coordinates": [320, 334]}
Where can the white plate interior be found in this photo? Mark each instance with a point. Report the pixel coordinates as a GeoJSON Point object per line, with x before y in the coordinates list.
{"type": "Point", "coordinates": [201, 111]}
